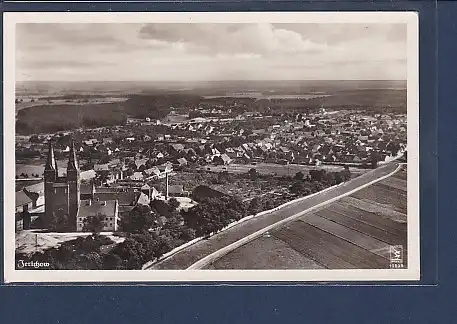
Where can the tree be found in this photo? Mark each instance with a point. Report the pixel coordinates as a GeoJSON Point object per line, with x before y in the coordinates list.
{"type": "Point", "coordinates": [140, 219]}
{"type": "Point", "coordinates": [254, 206]}
{"type": "Point", "coordinates": [297, 187]}
{"type": "Point", "coordinates": [112, 261]}
{"type": "Point", "coordinates": [253, 174]}
{"type": "Point", "coordinates": [317, 175]}
{"type": "Point", "coordinates": [59, 221]}
{"type": "Point", "coordinates": [345, 174]}
{"type": "Point", "coordinates": [94, 224]}
{"type": "Point", "coordinates": [187, 234]}
{"type": "Point", "coordinates": [131, 253]}
{"type": "Point", "coordinates": [91, 261]}
{"type": "Point", "coordinates": [299, 176]}
{"type": "Point", "coordinates": [330, 177]}
{"type": "Point", "coordinates": [34, 139]}
{"type": "Point", "coordinates": [173, 203]}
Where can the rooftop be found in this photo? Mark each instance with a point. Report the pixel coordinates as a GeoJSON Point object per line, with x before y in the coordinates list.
{"type": "Point", "coordinates": [22, 199]}
{"type": "Point", "coordinates": [93, 208]}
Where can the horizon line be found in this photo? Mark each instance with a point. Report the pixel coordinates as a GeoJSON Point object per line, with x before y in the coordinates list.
{"type": "Point", "coordinates": [232, 80]}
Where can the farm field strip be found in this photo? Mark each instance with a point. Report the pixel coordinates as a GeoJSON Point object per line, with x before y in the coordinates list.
{"type": "Point", "coordinates": [394, 189]}
{"type": "Point", "coordinates": [266, 252]}
{"type": "Point", "coordinates": [402, 175]}
{"type": "Point", "coordinates": [373, 207]}
{"type": "Point", "coordinates": [397, 203]}
{"type": "Point", "coordinates": [342, 219]}
{"type": "Point", "coordinates": [368, 218]}
{"type": "Point", "coordinates": [364, 241]}
{"type": "Point", "coordinates": [383, 193]}
{"type": "Point", "coordinates": [323, 242]}
{"type": "Point", "coordinates": [395, 183]}
{"type": "Point", "coordinates": [309, 247]}
{"type": "Point", "coordinates": [398, 214]}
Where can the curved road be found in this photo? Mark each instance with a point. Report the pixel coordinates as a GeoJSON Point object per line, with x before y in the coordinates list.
{"type": "Point", "coordinates": [206, 248]}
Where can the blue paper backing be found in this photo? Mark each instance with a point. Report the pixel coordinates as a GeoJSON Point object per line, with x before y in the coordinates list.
{"type": "Point", "coordinates": [260, 304]}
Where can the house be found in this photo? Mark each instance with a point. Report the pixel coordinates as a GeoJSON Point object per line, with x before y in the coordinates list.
{"type": "Point", "coordinates": [140, 162]}
{"type": "Point", "coordinates": [91, 142]}
{"type": "Point", "coordinates": [177, 191]}
{"type": "Point", "coordinates": [138, 176]}
{"type": "Point", "coordinates": [36, 193]}
{"type": "Point", "coordinates": [143, 199]}
{"type": "Point", "coordinates": [177, 147]}
{"type": "Point", "coordinates": [22, 216]}
{"type": "Point", "coordinates": [108, 209]}
{"type": "Point", "coordinates": [182, 161]}
{"type": "Point", "coordinates": [23, 202]}
{"type": "Point", "coordinates": [87, 191]}
{"type": "Point", "coordinates": [226, 159]}
{"type": "Point", "coordinates": [106, 172]}
{"type": "Point", "coordinates": [316, 148]}
{"type": "Point", "coordinates": [102, 167]}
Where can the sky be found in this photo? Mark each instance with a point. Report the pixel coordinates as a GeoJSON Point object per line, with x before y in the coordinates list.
{"type": "Point", "coordinates": [206, 52]}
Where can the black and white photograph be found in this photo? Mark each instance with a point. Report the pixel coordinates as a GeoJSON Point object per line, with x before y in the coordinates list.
{"type": "Point", "coordinates": [254, 146]}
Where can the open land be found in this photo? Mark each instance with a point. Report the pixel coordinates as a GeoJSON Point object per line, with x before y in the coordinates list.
{"type": "Point", "coordinates": [344, 234]}
{"type": "Point", "coordinates": [187, 257]}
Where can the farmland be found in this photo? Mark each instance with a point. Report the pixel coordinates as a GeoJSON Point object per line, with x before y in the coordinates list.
{"type": "Point", "coordinates": [199, 250]}
{"type": "Point", "coordinates": [277, 169]}
{"type": "Point", "coordinates": [353, 232]}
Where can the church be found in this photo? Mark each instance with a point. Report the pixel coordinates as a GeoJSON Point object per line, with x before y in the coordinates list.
{"type": "Point", "coordinates": [63, 196]}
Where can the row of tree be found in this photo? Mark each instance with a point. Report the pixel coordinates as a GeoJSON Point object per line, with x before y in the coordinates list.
{"type": "Point", "coordinates": [317, 180]}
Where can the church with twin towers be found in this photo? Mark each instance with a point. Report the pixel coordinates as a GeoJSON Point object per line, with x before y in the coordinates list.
{"type": "Point", "coordinates": [62, 193]}
{"type": "Point", "coordinates": [62, 196]}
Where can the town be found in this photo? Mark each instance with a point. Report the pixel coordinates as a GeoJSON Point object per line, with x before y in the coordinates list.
{"type": "Point", "coordinates": [160, 177]}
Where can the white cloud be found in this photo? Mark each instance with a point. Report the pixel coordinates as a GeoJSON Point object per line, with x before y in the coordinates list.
{"type": "Point", "coordinates": [210, 51]}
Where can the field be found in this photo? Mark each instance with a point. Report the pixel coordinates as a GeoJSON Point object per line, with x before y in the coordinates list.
{"type": "Point", "coordinates": [354, 232]}
{"type": "Point", "coordinates": [278, 169]}
{"type": "Point", "coordinates": [66, 100]}
{"type": "Point", "coordinates": [272, 254]}
{"type": "Point", "coordinates": [235, 185]}
{"type": "Point", "coordinates": [37, 167]}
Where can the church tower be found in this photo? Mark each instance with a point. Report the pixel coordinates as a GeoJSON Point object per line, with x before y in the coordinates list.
{"type": "Point", "coordinates": [73, 180]}
{"type": "Point", "coordinates": [50, 177]}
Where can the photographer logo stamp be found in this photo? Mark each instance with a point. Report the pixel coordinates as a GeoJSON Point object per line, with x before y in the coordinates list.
{"type": "Point", "coordinates": [396, 256]}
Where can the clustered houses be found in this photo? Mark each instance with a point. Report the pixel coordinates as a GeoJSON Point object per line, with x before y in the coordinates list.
{"type": "Point", "coordinates": [138, 150]}
{"type": "Point", "coordinates": [126, 161]}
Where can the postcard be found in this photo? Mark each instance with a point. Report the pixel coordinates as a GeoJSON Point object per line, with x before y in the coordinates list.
{"type": "Point", "coordinates": [211, 147]}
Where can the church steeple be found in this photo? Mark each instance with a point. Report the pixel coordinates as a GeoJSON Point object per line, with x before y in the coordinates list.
{"type": "Point", "coordinates": [51, 164]}
{"type": "Point", "coordinates": [72, 160]}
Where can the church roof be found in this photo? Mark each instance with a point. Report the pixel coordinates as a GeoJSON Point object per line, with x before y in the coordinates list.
{"type": "Point", "coordinates": [124, 198]}
{"type": "Point", "coordinates": [72, 160]}
{"type": "Point", "coordinates": [51, 160]}
{"type": "Point", "coordinates": [93, 208]}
